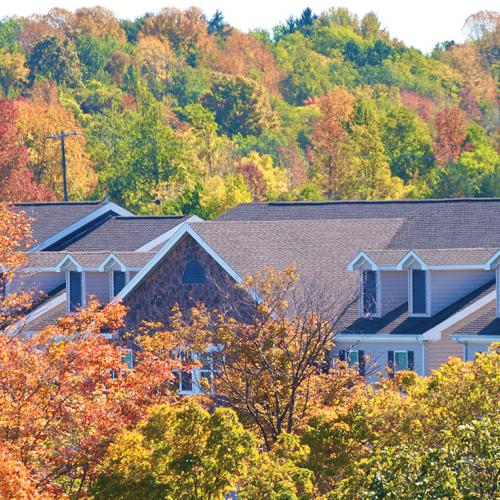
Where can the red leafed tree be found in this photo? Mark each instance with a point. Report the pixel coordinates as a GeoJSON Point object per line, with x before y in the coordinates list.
{"type": "Point", "coordinates": [425, 107]}
{"type": "Point", "coordinates": [451, 132]}
{"type": "Point", "coordinates": [253, 178]}
{"type": "Point", "coordinates": [16, 179]}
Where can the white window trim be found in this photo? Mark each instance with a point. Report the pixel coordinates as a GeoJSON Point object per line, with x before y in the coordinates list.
{"type": "Point", "coordinates": [427, 294]}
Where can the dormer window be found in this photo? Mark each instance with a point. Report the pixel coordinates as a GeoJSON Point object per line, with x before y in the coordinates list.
{"type": "Point", "coordinates": [75, 290]}
{"type": "Point", "coordinates": [194, 274]}
{"type": "Point", "coordinates": [418, 286]}
{"type": "Point", "coordinates": [369, 293]}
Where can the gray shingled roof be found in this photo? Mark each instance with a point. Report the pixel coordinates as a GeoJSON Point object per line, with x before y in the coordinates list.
{"type": "Point", "coordinates": [435, 256]}
{"type": "Point", "coordinates": [319, 249]}
{"type": "Point", "coordinates": [428, 224]}
{"type": "Point", "coordinates": [485, 324]}
{"type": "Point", "coordinates": [398, 322]}
{"type": "Point", "coordinates": [125, 233]}
{"type": "Point", "coordinates": [49, 219]}
{"type": "Point", "coordinates": [87, 259]}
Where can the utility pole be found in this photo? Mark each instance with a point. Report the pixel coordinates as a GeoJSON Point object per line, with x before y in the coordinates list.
{"type": "Point", "coordinates": [61, 137]}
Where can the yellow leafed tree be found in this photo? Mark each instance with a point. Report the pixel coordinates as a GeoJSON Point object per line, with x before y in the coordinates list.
{"type": "Point", "coordinates": [37, 120]}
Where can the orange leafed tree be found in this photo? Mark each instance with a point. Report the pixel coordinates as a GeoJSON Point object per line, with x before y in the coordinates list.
{"type": "Point", "coordinates": [451, 132]}
{"type": "Point", "coordinates": [66, 394]}
{"type": "Point", "coordinates": [16, 180]}
{"type": "Point", "coordinates": [15, 237]}
{"type": "Point", "coordinates": [243, 55]}
{"type": "Point", "coordinates": [329, 133]}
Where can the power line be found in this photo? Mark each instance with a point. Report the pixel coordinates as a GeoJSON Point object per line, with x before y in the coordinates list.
{"type": "Point", "coordinates": [61, 136]}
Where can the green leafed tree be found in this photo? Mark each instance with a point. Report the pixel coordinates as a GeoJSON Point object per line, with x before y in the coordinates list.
{"type": "Point", "coordinates": [55, 59]}
{"type": "Point", "coordinates": [240, 106]}
{"type": "Point", "coordinates": [182, 452]}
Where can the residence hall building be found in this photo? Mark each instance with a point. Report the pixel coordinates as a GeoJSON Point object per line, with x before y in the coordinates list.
{"type": "Point", "coordinates": [418, 279]}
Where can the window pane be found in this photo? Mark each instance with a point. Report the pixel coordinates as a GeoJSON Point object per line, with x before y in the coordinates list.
{"type": "Point", "coordinates": [186, 381]}
{"type": "Point", "coordinates": [400, 360]}
{"type": "Point", "coordinates": [353, 358]}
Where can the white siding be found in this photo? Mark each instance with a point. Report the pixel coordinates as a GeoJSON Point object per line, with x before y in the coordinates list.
{"type": "Point", "coordinates": [97, 285]}
{"type": "Point", "coordinates": [377, 353]}
{"type": "Point", "coordinates": [393, 290]}
{"type": "Point", "coordinates": [36, 282]}
{"type": "Point", "coordinates": [446, 287]}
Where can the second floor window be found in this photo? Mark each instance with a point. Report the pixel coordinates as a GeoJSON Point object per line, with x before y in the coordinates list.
{"type": "Point", "coordinates": [419, 291]}
{"type": "Point", "coordinates": [75, 290]}
{"type": "Point", "coordinates": [369, 292]}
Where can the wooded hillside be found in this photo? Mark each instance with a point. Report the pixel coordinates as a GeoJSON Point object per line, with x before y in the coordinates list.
{"type": "Point", "coordinates": [182, 114]}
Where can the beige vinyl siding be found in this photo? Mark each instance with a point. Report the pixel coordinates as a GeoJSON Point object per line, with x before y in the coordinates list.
{"type": "Point", "coordinates": [393, 290]}
{"type": "Point", "coordinates": [97, 285]}
{"type": "Point", "coordinates": [446, 287]}
{"type": "Point", "coordinates": [438, 353]}
{"type": "Point", "coordinates": [36, 282]}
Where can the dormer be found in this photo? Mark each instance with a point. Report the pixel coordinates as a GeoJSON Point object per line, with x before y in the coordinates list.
{"type": "Point", "coordinates": [74, 282]}
{"type": "Point", "coordinates": [118, 274]}
{"type": "Point", "coordinates": [418, 284]}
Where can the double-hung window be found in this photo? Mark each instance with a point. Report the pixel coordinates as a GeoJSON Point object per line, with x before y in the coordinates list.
{"type": "Point", "coordinates": [369, 293]}
{"type": "Point", "coordinates": [400, 361]}
{"type": "Point", "coordinates": [354, 358]}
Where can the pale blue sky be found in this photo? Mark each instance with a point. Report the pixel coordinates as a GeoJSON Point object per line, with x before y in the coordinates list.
{"type": "Point", "coordinates": [420, 23]}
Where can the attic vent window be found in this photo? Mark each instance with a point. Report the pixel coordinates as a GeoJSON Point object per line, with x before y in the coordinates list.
{"type": "Point", "coordinates": [194, 274]}
{"type": "Point", "coordinates": [418, 289]}
{"type": "Point", "coordinates": [369, 293]}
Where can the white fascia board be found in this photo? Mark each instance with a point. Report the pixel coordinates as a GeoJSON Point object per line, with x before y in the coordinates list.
{"type": "Point", "coordinates": [378, 338]}
{"type": "Point", "coordinates": [183, 230]}
{"type": "Point", "coordinates": [476, 339]}
{"type": "Point", "coordinates": [359, 260]}
{"type": "Point", "coordinates": [68, 259]}
{"type": "Point", "coordinates": [411, 255]}
{"type": "Point", "coordinates": [435, 332]}
{"type": "Point", "coordinates": [109, 207]}
{"type": "Point", "coordinates": [493, 262]}
{"type": "Point", "coordinates": [115, 260]}
{"type": "Point", "coordinates": [167, 235]}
